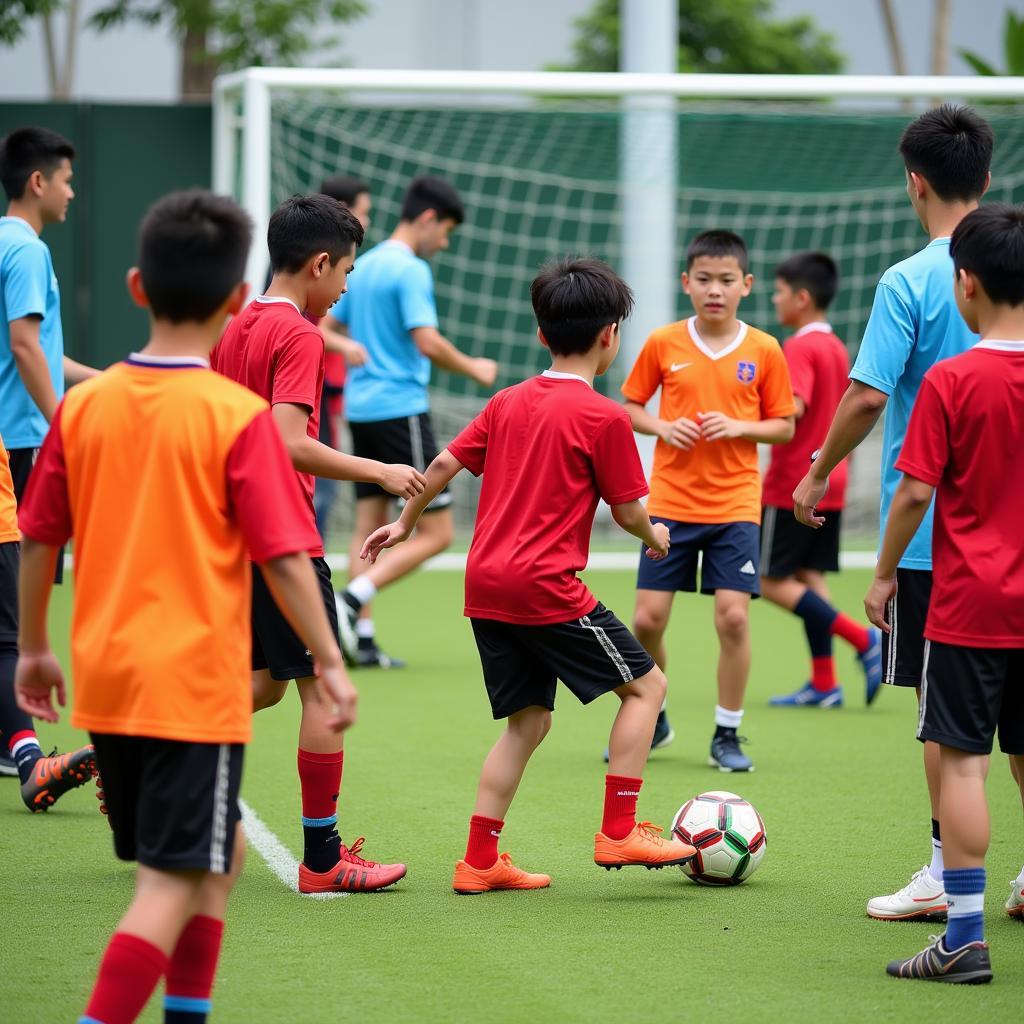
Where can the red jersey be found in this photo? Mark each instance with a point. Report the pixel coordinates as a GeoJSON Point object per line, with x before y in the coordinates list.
{"type": "Point", "coordinates": [965, 436]}
{"type": "Point", "coordinates": [819, 368]}
{"type": "Point", "coordinates": [549, 449]}
{"type": "Point", "coordinates": [272, 349]}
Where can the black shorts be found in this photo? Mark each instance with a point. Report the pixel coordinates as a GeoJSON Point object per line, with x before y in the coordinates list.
{"type": "Point", "coordinates": [21, 461]}
{"type": "Point", "coordinates": [9, 556]}
{"type": "Point", "coordinates": [729, 554]}
{"type": "Point", "coordinates": [592, 655]}
{"type": "Point", "coordinates": [903, 647]}
{"type": "Point", "coordinates": [275, 645]}
{"type": "Point", "coordinates": [788, 546]}
{"type": "Point", "coordinates": [970, 693]}
{"type": "Point", "coordinates": [173, 806]}
{"type": "Point", "coordinates": [408, 440]}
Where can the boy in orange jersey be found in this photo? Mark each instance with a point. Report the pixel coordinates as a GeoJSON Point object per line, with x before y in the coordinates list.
{"type": "Point", "coordinates": [549, 449]}
{"type": "Point", "coordinates": [170, 478]}
{"type": "Point", "coordinates": [724, 388]}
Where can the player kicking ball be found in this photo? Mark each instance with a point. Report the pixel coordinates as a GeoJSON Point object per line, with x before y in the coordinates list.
{"type": "Point", "coordinates": [549, 449]}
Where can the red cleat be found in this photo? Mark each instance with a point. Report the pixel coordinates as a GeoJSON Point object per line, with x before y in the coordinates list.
{"type": "Point", "coordinates": [351, 874]}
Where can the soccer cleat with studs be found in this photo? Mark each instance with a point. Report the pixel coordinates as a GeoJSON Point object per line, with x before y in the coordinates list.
{"type": "Point", "coordinates": [726, 755]}
{"type": "Point", "coordinates": [501, 875]}
{"type": "Point", "coordinates": [968, 965]}
{"type": "Point", "coordinates": [1015, 904]}
{"type": "Point", "coordinates": [644, 847]}
{"type": "Point", "coordinates": [921, 899]}
{"type": "Point", "coordinates": [808, 697]}
{"type": "Point", "coordinates": [53, 776]}
{"type": "Point", "coordinates": [351, 874]}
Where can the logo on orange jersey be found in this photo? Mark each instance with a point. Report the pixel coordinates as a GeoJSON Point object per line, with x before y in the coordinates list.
{"type": "Point", "coordinates": [746, 371]}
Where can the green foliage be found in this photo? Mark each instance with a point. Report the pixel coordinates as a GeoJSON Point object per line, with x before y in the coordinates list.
{"type": "Point", "coordinates": [1013, 50]}
{"type": "Point", "coordinates": [734, 36]}
{"type": "Point", "coordinates": [15, 14]}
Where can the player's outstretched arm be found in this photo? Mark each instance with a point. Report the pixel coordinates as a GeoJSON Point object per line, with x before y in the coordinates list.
{"type": "Point", "coordinates": [439, 474]}
{"type": "Point", "coordinates": [294, 587]}
{"type": "Point", "coordinates": [445, 356]}
{"type": "Point", "coordinates": [633, 518]}
{"type": "Point", "coordinates": [38, 674]}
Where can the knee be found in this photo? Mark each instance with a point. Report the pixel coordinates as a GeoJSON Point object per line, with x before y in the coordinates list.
{"type": "Point", "coordinates": [731, 622]}
{"type": "Point", "coordinates": [654, 685]}
{"type": "Point", "coordinates": [266, 696]}
{"type": "Point", "coordinates": [532, 727]}
{"type": "Point", "coordinates": [649, 621]}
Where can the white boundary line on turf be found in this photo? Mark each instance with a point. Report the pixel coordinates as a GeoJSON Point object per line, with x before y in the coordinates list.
{"type": "Point", "coordinates": [275, 854]}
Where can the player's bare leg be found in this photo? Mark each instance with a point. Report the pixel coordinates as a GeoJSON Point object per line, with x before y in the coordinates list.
{"type": "Point", "coordinates": [732, 624]}
{"type": "Point", "coordinates": [650, 620]}
{"type": "Point", "coordinates": [630, 739]}
{"type": "Point", "coordinates": [816, 582]}
{"type": "Point", "coordinates": [266, 690]}
{"type": "Point", "coordinates": [506, 762]}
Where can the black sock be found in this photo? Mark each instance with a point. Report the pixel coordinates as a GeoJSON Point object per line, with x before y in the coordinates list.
{"type": "Point", "coordinates": [353, 602]}
{"type": "Point", "coordinates": [321, 846]}
{"type": "Point", "coordinates": [724, 730]}
{"type": "Point", "coordinates": [936, 833]}
{"type": "Point", "coordinates": [367, 643]}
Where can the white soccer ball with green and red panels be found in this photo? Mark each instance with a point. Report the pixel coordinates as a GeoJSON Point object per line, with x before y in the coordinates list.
{"type": "Point", "coordinates": [729, 836]}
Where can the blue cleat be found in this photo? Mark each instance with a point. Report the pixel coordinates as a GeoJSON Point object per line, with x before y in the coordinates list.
{"type": "Point", "coordinates": [808, 696]}
{"type": "Point", "coordinates": [726, 755]}
{"type": "Point", "coordinates": [871, 662]}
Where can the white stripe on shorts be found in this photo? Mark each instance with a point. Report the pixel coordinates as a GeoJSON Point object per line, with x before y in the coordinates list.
{"type": "Point", "coordinates": [219, 825]}
{"type": "Point", "coordinates": [890, 662]}
{"type": "Point", "coordinates": [923, 703]}
{"type": "Point", "coordinates": [416, 443]}
{"type": "Point", "coordinates": [609, 648]}
{"type": "Point", "coordinates": [767, 538]}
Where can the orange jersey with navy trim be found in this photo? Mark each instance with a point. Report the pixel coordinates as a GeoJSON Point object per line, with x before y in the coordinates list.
{"type": "Point", "coordinates": [8, 504]}
{"type": "Point", "coordinates": [715, 481]}
{"type": "Point", "coordinates": [169, 477]}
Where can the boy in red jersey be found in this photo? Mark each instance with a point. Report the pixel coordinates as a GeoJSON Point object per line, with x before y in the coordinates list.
{"type": "Point", "coordinates": [965, 431]}
{"type": "Point", "coordinates": [160, 636]}
{"type": "Point", "coordinates": [549, 449]}
{"type": "Point", "coordinates": [271, 348]}
{"type": "Point", "coordinates": [794, 560]}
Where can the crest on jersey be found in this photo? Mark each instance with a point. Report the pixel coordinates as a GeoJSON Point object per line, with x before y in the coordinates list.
{"type": "Point", "coordinates": [746, 371]}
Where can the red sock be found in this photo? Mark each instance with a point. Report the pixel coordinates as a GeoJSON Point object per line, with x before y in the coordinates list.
{"type": "Point", "coordinates": [482, 848]}
{"type": "Point", "coordinates": [620, 793]}
{"type": "Point", "coordinates": [131, 968]}
{"type": "Point", "coordinates": [823, 674]}
{"type": "Point", "coordinates": [193, 964]}
{"type": "Point", "coordinates": [852, 632]}
{"type": "Point", "coordinates": [320, 780]}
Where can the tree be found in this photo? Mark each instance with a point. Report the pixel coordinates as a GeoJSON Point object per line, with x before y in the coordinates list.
{"type": "Point", "coordinates": [15, 14]}
{"type": "Point", "coordinates": [223, 35]}
{"type": "Point", "coordinates": [1013, 50]}
{"type": "Point", "coordinates": [737, 36]}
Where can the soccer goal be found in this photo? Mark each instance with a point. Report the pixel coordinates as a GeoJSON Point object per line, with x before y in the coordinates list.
{"type": "Point", "coordinates": [625, 167]}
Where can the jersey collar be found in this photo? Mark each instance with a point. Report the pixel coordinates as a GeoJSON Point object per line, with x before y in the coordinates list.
{"type": "Point", "coordinates": [999, 345]}
{"type": "Point", "coordinates": [691, 325]}
{"type": "Point", "coordinates": [558, 375]}
{"type": "Point", "coordinates": [20, 222]}
{"type": "Point", "coordinates": [164, 362]}
{"type": "Point", "coordinates": [271, 299]}
{"type": "Point", "coordinates": [818, 327]}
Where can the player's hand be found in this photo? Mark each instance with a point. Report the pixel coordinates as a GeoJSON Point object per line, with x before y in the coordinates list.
{"type": "Point", "coordinates": [805, 499]}
{"type": "Point", "coordinates": [880, 593]}
{"type": "Point", "coordinates": [681, 433]}
{"type": "Point", "coordinates": [404, 481]}
{"type": "Point", "coordinates": [36, 678]}
{"type": "Point", "coordinates": [659, 549]}
{"type": "Point", "coordinates": [484, 372]}
{"type": "Point", "coordinates": [384, 537]}
{"type": "Point", "coordinates": [353, 353]}
{"type": "Point", "coordinates": [716, 426]}
{"type": "Point", "coordinates": [338, 694]}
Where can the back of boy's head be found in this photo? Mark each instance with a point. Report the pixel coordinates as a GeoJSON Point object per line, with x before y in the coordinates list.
{"type": "Point", "coordinates": [574, 299]}
{"type": "Point", "coordinates": [951, 148]}
{"type": "Point", "coordinates": [27, 150]}
{"type": "Point", "coordinates": [717, 244]}
{"type": "Point", "coordinates": [814, 271]}
{"type": "Point", "coordinates": [435, 194]}
{"type": "Point", "coordinates": [193, 248]}
{"type": "Point", "coordinates": [989, 243]}
{"type": "Point", "coordinates": [343, 188]}
{"type": "Point", "coordinates": [303, 226]}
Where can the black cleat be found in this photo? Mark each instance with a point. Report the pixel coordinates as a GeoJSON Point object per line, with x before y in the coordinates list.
{"type": "Point", "coordinates": [968, 965]}
{"type": "Point", "coordinates": [53, 776]}
{"type": "Point", "coordinates": [726, 755]}
{"type": "Point", "coordinates": [369, 655]}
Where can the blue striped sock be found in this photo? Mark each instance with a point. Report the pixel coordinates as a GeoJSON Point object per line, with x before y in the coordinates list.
{"type": "Point", "coordinates": [965, 899]}
{"type": "Point", "coordinates": [185, 1010]}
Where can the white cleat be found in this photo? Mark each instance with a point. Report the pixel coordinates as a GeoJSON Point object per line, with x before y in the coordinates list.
{"type": "Point", "coordinates": [1015, 904]}
{"type": "Point", "coordinates": [921, 899]}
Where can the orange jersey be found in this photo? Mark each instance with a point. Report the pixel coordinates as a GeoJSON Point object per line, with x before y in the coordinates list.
{"type": "Point", "coordinates": [169, 477]}
{"type": "Point", "coordinates": [715, 481]}
{"type": "Point", "coordinates": [8, 506]}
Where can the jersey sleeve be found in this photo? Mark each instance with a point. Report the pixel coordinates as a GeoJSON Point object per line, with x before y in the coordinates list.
{"type": "Point", "coordinates": [645, 377]}
{"type": "Point", "coordinates": [26, 282]}
{"type": "Point", "coordinates": [266, 499]}
{"type": "Point", "coordinates": [470, 447]}
{"type": "Point", "coordinates": [416, 297]}
{"type": "Point", "coordinates": [297, 368]}
{"type": "Point", "coordinates": [45, 512]}
{"type": "Point", "coordinates": [888, 340]}
{"type": "Point", "coordinates": [800, 361]}
{"type": "Point", "coordinates": [925, 450]}
{"type": "Point", "coordinates": [617, 467]}
{"type": "Point", "coordinates": [776, 391]}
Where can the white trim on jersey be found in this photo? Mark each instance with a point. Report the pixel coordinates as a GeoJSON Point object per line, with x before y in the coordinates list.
{"type": "Point", "coordinates": [609, 648]}
{"type": "Point", "coordinates": [277, 300]}
{"type": "Point", "coordinates": [559, 375]}
{"type": "Point", "coordinates": [139, 358]}
{"type": "Point", "coordinates": [817, 327]}
{"type": "Point", "coordinates": [999, 345]}
{"type": "Point", "coordinates": [691, 325]}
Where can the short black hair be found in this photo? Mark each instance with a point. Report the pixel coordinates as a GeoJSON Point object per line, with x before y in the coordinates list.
{"type": "Point", "coordinates": [574, 298]}
{"type": "Point", "coordinates": [193, 248]}
{"type": "Point", "coordinates": [302, 226]}
{"type": "Point", "coordinates": [951, 148]}
{"type": "Point", "coordinates": [435, 194]}
{"type": "Point", "coordinates": [27, 150]}
{"type": "Point", "coordinates": [344, 188]}
{"type": "Point", "coordinates": [989, 242]}
{"type": "Point", "coordinates": [718, 243]}
{"type": "Point", "coordinates": [815, 271]}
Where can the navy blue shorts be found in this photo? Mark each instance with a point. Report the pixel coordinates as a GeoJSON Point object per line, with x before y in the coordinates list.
{"type": "Point", "coordinates": [731, 553]}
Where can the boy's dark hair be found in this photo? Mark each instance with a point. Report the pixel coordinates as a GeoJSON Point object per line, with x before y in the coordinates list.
{"type": "Point", "coordinates": [344, 188]}
{"type": "Point", "coordinates": [814, 271]}
{"type": "Point", "coordinates": [26, 150]}
{"type": "Point", "coordinates": [989, 242]}
{"type": "Point", "coordinates": [574, 298]}
{"type": "Point", "coordinates": [193, 248]}
{"type": "Point", "coordinates": [951, 148]}
{"type": "Point", "coordinates": [302, 226]}
{"type": "Point", "coordinates": [718, 243]}
{"type": "Point", "coordinates": [432, 194]}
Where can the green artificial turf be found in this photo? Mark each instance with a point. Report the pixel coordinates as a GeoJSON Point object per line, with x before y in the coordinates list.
{"type": "Point", "coordinates": [841, 792]}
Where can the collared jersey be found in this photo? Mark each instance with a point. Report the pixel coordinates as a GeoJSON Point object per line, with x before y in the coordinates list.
{"type": "Point", "coordinates": [169, 477]}
{"type": "Point", "coordinates": [914, 323]}
{"type": "Point", "coordinates": [965, 437]}
{"type": "Point", "coordinates": [715, 481]}
{"type": "Point", "coordinates": [8, 505]}
{"type": "Point", "coordinates": [549, 449]}
{"type": "Point", "coordinates": [28, 288]}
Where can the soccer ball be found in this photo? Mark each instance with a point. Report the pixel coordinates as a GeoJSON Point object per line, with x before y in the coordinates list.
{"type": "Point", "coordinates": [728, 833]}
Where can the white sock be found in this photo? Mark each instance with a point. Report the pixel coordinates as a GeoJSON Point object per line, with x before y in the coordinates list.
{"type": "Point", "coordinates": [936, 866]}
{"type": "Point", "coordinates": [365, 629]}
{"type": "Point", "coordinates": [728, 719]}
{"type": "Point", "coordinates": [362, 589]}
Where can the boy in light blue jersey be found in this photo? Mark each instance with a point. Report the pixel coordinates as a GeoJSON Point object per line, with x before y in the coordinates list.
{"type": "Point", "coordinates": [914, 324]}
{"type": "Point", "coordinates": [390, 310]}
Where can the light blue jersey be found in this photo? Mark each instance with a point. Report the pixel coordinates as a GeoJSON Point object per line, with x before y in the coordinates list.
{"type": "Point", "coordinates": [28, 287]}
{"type": "Point", "coordinates": [914, 324]}
{"type": "Point", "coordinates": [390, 293]}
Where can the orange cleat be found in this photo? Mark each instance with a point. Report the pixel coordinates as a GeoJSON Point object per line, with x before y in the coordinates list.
{"type": "Point", "coordinates": [351, 874]}
{"type": "Point", "coordinates": [502, 874]}
{"type": "Point", "coordinates": [644, 846]}
{"type": "Point", "coordinates": [53, 776]}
